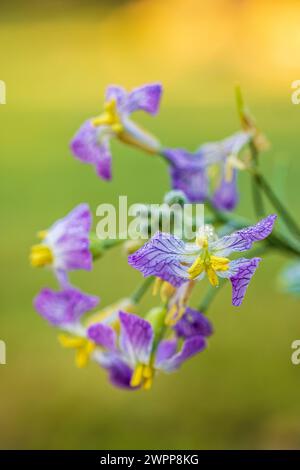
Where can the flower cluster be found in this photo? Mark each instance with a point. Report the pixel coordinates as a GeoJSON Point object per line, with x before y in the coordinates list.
{"type": "Point", "coordinates": [131, 347]}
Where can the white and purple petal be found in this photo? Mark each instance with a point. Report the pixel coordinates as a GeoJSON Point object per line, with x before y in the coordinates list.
{"type": "Point", "coordinates": [64, 308]}
{"type": "Point", "coordinates": [136, 338]}
{"type": "Point", "coordinates": [217, 152]}
{"type": "Point", "coordinates": [69, 241]}
{"type": "Point", "coordinates": [91, 145]}
{"type": "Point", "coordinates": [188, 173]}
{"type": "Point", "coordinates": [165, 350]}
{"type": "Point", "coordinates": [103, 335]}
{"type": "Point", "coordinates": [145, 98]}
{"type": "Point", "coordinates": [243, 239]}
{"type": "Point", "coordinates": [162, 256]}
{"type": "Point", "coordinates": [119, 372]}
{"type": "Point", "coordinates": [117, 93]}
{"type": "Point", "coordinates": [243, 270]}
{"type": "Point", "coordinates": [226, 195]}
{"type": "Point", "coordinates": [190, 347]}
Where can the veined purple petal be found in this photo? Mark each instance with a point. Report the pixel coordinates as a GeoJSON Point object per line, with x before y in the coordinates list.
{"type": "Point", "coordinates": [103, 335]}
{"type": "Point", "coordinates": [91, 145]}
{"type": "Point", "coordinates": [190, 347]}
{"type": "Point", "coordinates": [146, 98]}
{"type": "Point", "coordinates": [68, 239]}
{"type": "Point", "coordinates": [193, 323]}
{"type": "Point", "coordinates": [136, 338]}
{"type": "Point", "coordinates": [217, 152]}
{"type": "Point", "coordinates": [188, 173]}
{"type": "Point", "coordinates": [242, 240]}
{"type": "Point", "coordinates": [245, 269]}
{"type": "Point", "coordinates": [63, 307]}
{"type": "Point", "coordinates": [161, 256]}
{"type": "Point", "coordinates": [226, 195]}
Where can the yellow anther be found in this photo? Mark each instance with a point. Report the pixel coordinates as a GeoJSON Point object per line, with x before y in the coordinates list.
{"type": "Point", "coordinates": [84, 348]}
{"type": "Point", "coordinates": [210, 264]}
{"type": "Point", "coordinates": [147, 384]}
{"type": "Point", "coordinates": [156, 286]}
{"type": "Point", "coordinates": [83, 354]}
{"type": "Point", "coordinates": [109, 117]}
{"type": "Point", "coordinates": [174, 314]}
{"type": "Point", "coordinates": [212, 276]}
{"type": "Point", "coordinates": [137, 376]}
{"type": "Point", "coordinates": [142, 377]}
{"type": "Point", "coordinates": [40, 255]}
{"type": "Point", "coordinates": [219, 264]}
{"type": "Point", "coordinates": [147, 372]}
{"type": "Point", "coordinates": [166, 291]}
{"type": "Point", "coordinates": [117, 128]}
{"type": "Point", "coordinates": [197, 268]}
{"type": "Point", "coordinates": [71, 342]}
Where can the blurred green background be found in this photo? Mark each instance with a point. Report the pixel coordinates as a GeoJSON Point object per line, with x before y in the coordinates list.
{"type": "Point", "coordinates": [56, 59]}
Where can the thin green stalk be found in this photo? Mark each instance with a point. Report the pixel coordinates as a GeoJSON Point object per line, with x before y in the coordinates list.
{"type": "Point", "coordinates": [141, 290]}
{"type": "Point", "coordinates": [275, 201]}
{"type": "Point", "coordinates": [99, 247]}
{"type": "Point", "coordinates": [256, 190]}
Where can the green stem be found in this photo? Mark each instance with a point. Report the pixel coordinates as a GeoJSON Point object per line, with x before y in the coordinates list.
{"type": "Point", "coordinates": [286, 216]}
{"type": "Point", "coordinates": [141, 290]}
{"type": "Point", "coordinates": [99, 247]}
{"type": "Point", "coordinates": [256, 190]}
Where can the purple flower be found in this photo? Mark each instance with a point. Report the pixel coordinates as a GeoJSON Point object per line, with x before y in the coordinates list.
{"type": "Point", "coordinates": [131, 357]}
{"type": "Point", "coordinates": [193, 323]}
{"type": "Point", "coordinates": [226, 195]}
{"type": "Point", "coordinates": [91, 144]}
{"type": "Point", "coordinates": [224, 155]}
{"type": "Point", "coordinates": [175, 261]}
{"type": "Point", "coordinates": [190, 171]}
{"type": "Point", "coordinates": [64, 308]}
{"type": "Point", "coordinates": [65, 245]}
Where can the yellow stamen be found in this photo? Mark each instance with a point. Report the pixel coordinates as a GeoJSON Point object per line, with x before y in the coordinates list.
{"type": "Point", "coordinates": [83, 354]}
{"type": "Point", "coordinates": [156, 286]}
{"type": "Point", "coordinates": [142, 377]}
{"type": "Point", "coordinates": [166, 291]}
{"type": "Point", "coordinates": [147, 383]}
{"type": "Point", "coordinates": [212, 276]}
{"type": "Point", "coordinates": [84, 348]}
{"type": "Point", "coordinates": [210, 264]}
{"type": "Point", "coordinates": [137, 376]}
{"type": "Point", "coordinates": [110, 117]}
{"type": "Point", "coordinates": [218, 263]}
{"type": "Point", "coordinates": [174, 314]}
{"type": "Point", "coordinates": [71, 342]}
{"type": "Point", "coordinates": [197, 268]}
{"type": "Point", "coordinates": [40, 255]}
{"type": "Point", "coordinates": [147, 372]}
